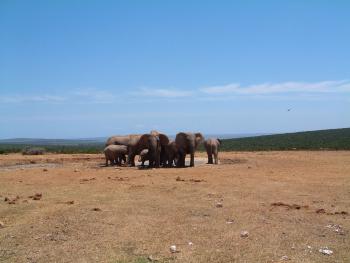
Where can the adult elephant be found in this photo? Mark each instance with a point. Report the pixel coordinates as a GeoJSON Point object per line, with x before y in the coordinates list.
{"type": "Point", "coordinates": [126, 140]}
{"type": "Point", "coordinates": [152, 142]}
{"type": "Point", "coordinates": [131, 141]}
{"type": "Point", "coordinates": [187, 143]}
{"type": "Point", "coordinates": [212, 146]}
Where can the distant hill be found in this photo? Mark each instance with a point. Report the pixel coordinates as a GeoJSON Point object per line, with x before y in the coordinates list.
{"type": "Point", "coordinates": [33, 141]}
{"type": "Point", "coordinates": [97, 140]}
{"type": "Point", "coordinates": [334, 139]}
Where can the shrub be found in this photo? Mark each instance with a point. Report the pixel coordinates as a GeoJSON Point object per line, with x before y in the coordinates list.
{"type": "Point", "coordinates": [33, 151]}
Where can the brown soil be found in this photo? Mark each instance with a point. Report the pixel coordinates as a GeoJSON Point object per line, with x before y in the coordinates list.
{"type": "Point", "coordinates": [69, 208]}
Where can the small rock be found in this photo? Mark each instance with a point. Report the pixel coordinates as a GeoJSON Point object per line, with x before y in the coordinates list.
{"type": "Point", "coordinates": [70, 202]}
{"type": "Point", "coordinates": [45, 170]}
{"type": "Point", "coordinates": [337, 228]}
{"type": "Point", "coordinates": [229, 221]}
{"type": "Point", "coordinates": [190, 243]}
{"type": "Point", "coordinates": [325, 251]}
{"type": "Point", "coordinates": [320, 211]}
{"type": "Point", "coordinates": [6, 199]}
{"type": "Point", "coordinates": [309, 247]}
{"type": "Point", "coordinates": [76, 170]}
{"type": "Point", "coordinates": [2, 225]}
{"type": "Point", "coordinates": [244, 234]}
{"type": "Point", "coordinates": [173, 249]}
{"type": "Point", "coordinates": [284, 258]}
{"type": "Point", "coordinates": [219, 205]}
{"type": "Point", "coordinates": [37, 196]}
{"type": "Point", "coordinates": [96, 209]}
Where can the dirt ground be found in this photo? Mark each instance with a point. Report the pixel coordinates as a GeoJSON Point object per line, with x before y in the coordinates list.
{"type": "Point", "coordinates": [69, 208]}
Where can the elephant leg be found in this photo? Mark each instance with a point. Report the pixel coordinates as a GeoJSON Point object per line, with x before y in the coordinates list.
{"type": "Point", "coordinates": [216, 156]}
{"type": "Point", "coordinates": [210, 154]}
{"type": "Point", "coordinates": [181, 160]}
{"type": "Point", "coordinates": [170, 161]}
{"type": "Point", "coordinates": [210, 158]}
{"type": "Point", "coordinates": [123, 158]}
{"type": "Point", "coordinates": [120, 158]}
{"type": "Point", "coordinates": [131, 158]}
{"type": "Point", "coordinates": [106, 161]}
{"type": "Point", "coordinates": [192, 160]}
{"type": "Point", "coordinates": [157, 160]}
{"type": "Point", "coordinates": [151, 163]}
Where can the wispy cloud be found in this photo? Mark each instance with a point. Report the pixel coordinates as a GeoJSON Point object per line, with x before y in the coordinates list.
{"type": "Point", "coordinates": [85, 96]}
{"type": "Point", "coordinates": [163, 93]}
{"type": "Point", "coordinates": [30, 98]}
{"type": "Point", "coordinates": [282, 90]}
{"type": "Point", "coordinates": [278, 88]}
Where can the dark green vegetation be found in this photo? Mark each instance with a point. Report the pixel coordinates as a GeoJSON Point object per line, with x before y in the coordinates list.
{"type": "Point", "coordinates": [78, 148]}
{"type": "Point", "coordinates": [335, 139]}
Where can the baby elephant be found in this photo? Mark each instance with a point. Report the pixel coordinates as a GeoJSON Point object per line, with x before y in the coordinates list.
{"type": "Point", "coordinates": [143, 157]}
{"type": "Point", "coordinates": [115, 154]}
{"type": "Point", "coordinates": [212, 147]}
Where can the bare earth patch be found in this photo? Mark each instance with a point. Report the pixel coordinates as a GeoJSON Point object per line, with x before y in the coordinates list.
{"type": "Point", "coordinates": [69, 208]}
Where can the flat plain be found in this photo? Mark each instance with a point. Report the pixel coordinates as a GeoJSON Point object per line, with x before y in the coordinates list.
{"type": "Point", "coordinates": [70, 208]}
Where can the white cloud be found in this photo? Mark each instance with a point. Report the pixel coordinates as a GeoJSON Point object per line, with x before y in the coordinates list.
{"type": "Point", "coordinates": [282, 90]}
{"type": "Point", "coordinates": [230, 88]}
{"type": "Point", "coordinates": [30, 98]}
{"type": "Point", "coordinates": [163, 93]}
{"type": "Point", "coordinates": [85, 96]}
{"type": "Point", "coordinates": [278, 88]}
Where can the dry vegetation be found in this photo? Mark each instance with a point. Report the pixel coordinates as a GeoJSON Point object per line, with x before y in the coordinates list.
{"type": "Point", "coordinates": [69, 208]}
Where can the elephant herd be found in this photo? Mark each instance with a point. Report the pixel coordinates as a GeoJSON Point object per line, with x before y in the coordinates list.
{"type": "Point", "coordinates": [157, 149]}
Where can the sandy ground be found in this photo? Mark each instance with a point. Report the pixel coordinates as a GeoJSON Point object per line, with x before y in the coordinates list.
{"type": "Point", "coordinates": [291, 203]}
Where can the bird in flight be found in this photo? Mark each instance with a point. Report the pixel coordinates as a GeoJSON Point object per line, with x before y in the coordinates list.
{"type": "Point", "coordinates": [288, 109]}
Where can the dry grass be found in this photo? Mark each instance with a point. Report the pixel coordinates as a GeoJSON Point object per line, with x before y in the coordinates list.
{"type": "Point", "coordinates": [89, 213]}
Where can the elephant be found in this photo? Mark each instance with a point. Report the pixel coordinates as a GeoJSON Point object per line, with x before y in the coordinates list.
{"type": "Point", "coordinates": [151, 142]}
{"type": "Point", "coordinates": [171, 154]}
{"type": "Point", "coordinates": [115, 154]}
{"type": "Point", "coordinates": [127, 140]}
{"type": "Point", "coordinates": [212, 146]}
{"type": "Point", "coordinates": [143, 157]}
{"type": "Point", "coordinates": [187, 143]}
{"type": "Point", "coordinates": [130, 140]}
{"type": "Point", "coordinates": [163, 158]}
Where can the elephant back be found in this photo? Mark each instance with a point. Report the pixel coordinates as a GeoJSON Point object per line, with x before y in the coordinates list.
{"type": "Point", "coordinates": [118, 140]}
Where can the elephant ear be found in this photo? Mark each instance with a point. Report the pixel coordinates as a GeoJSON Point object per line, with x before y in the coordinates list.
{"type": "Point", "coordinates": [143, 142]}
{"type": "Point", "coordinates": [181, 136]}
{"type": "Point", "coordinates": [199, 138]}
{"type": "Point", "coordinates": [164, 140]}
{"type": "Point", "coordinates": [220, 142]}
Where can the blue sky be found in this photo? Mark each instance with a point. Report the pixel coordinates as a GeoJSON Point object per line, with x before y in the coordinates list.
{"type": "Point", "coordinates": [72, 69]}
